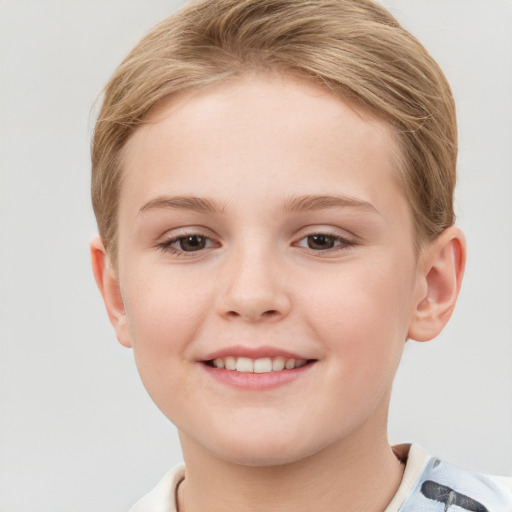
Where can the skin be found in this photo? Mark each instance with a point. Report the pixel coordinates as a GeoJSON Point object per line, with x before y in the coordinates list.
{"type": "Point", "coordinates": [254, 148]}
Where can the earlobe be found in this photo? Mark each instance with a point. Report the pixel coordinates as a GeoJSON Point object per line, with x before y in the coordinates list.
{"type": "Point", "coordinates": [442, 268]}
{"type": "Point", "coordinates": [108, 284]}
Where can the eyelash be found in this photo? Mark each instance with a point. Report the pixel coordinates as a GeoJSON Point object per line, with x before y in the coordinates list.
{"type": "Point", "coordinates": [168, 246]}
{"type": "Point", "coordinates": [342, 242]}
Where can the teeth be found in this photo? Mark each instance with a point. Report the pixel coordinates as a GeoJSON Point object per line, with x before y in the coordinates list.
{"type": "Point", "coordinates": [278, 364]}
{"type": "Point", "coordinates": [290, 364]}
{"type": "Point", "coordinates": [262, 365]}
{"type": "Point", "coordinates": [244, 364]}
{"type": "Point", "coordinates": [230, 363]}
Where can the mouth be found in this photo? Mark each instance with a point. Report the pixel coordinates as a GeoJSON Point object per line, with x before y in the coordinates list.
{"type": "Point", "coordinates": [256, 368]}
{"type": "Point", "coordinates": [259, 365]}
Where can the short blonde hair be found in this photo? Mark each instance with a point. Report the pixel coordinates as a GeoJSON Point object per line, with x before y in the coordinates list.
{"type": "Point", "coordinates": [356, 48]}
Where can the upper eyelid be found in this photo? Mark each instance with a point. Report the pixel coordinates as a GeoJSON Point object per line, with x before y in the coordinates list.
{"type": "Point", "coordinates": [182, 232]}
{"type": "Point", "coordinates": [335, 232]}
{"type": "Point", "coordinates": [330, 235]}
{"type": "Point", "coordinates": [167, 242]}
{"type": "Point", "coordinates": [170, 246]}
{"type": "Point", "coordinates": [343, 241]}
{"type": "Point", "coordinates": [177, 238]}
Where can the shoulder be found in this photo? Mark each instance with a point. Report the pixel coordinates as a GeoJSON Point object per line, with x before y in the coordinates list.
{"type": "Point", "coordinates": [163, 497]}
{"type": "Point", "coordinates": [441, 486]}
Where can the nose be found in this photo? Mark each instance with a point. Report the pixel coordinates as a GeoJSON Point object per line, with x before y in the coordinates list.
{"type": "Point", "coordinates": [254, 289]}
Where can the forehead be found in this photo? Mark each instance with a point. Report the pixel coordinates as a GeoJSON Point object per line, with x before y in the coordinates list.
{"type": "Point", "coordinates": [260, 135]}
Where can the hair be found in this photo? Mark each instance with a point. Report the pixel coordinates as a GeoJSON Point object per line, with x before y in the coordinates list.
{"type": "Point", "coordinates": [356, 48]}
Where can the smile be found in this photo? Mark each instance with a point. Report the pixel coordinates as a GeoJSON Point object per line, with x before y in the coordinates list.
{"type": "Point", "coordinates": [256, 368]}
{"type": "Point", "coordinates": [260, 365]}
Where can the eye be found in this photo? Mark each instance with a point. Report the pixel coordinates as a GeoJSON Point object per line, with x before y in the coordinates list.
{"type": "Point", "coordinates": [324, 242]}
{"type": "Point", "coordinates": [186, 244]}
{"type": "Point", "coordinates": [192, 243]}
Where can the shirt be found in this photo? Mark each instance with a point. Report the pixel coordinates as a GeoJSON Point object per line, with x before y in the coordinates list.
{"type": "Point", "coordinates": [428, 485]}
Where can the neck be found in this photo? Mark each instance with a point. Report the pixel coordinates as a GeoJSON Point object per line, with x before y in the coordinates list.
{"type": "Point", "coordinates": [350, 475]}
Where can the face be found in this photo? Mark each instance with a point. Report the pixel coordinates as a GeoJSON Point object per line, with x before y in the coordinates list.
{"type": "Point", "coordinates": [260, 226]}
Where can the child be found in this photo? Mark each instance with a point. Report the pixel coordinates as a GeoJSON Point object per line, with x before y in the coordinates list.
{"type": "Point", "coordinates": [273, 184]}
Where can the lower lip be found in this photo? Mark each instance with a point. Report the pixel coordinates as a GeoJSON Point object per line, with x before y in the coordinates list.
{"type": "Point", "coordinates": [257, 381]}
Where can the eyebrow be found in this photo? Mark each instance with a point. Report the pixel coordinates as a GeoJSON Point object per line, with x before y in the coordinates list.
{"type": "Point", "coordinates": [196, 204]}
{"type": "Point", "coordinates": [293, 204]}
{"type": "Point", "coordinates": [324, 202]}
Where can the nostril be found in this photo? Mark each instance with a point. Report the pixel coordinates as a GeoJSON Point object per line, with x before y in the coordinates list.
{"type": "Point", "coordinates": [253, 315]}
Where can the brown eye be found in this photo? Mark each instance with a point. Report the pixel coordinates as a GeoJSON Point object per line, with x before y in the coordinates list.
{"type": "Point", "coordinates": [321, 242]}
{"type": "Point", "coordinates": [192, 243]}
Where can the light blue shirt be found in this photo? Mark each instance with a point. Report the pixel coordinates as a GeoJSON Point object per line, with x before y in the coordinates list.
{"type": "Point", "coordinates": [442, 487]}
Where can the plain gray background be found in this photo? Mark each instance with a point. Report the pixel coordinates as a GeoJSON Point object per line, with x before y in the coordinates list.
{"type": "Point", "coordinates": [77, 430]}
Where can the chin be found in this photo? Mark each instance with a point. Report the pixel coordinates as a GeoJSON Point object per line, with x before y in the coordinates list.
{"type": "Point", "coordinates": [245, 457]}
{"type": "Point", "coordinates": [274, 449]}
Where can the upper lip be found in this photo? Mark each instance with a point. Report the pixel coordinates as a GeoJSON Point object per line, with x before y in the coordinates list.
{"type": "Point", "coordinates": [252, 353]}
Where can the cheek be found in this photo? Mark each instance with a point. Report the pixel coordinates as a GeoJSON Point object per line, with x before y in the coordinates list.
{"type": "Point", "coordinates": [164, 312]}
{"type": "Point", "coordinates": [163, 316]}
{"type": "Point", "coordinates": [362, 314]}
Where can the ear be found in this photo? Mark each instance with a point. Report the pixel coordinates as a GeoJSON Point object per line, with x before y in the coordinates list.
{"type": "Point", "coordinates": [108, 284]}
{"type": "Point", "coordinates": [441, 270]}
